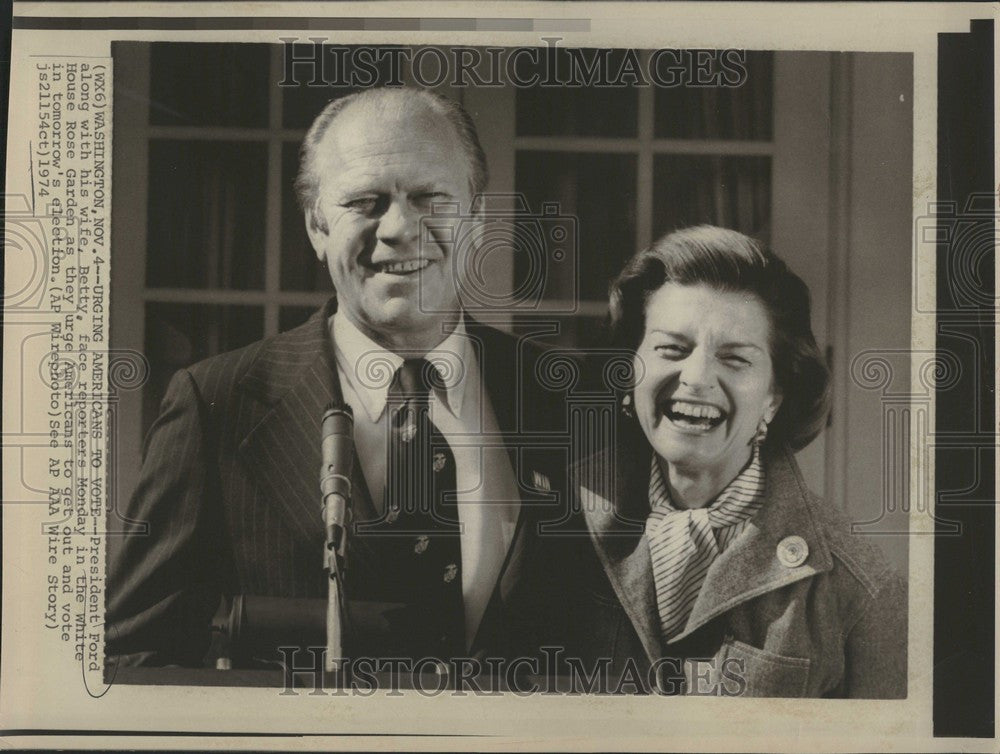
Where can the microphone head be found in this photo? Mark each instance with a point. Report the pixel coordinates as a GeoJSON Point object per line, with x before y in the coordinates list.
{"type": "Point", "coordinates": [337, 450]}
{"type": "Point", "coordinates": [338, 419]}
{"type": "Point", "coordinates": [338, 407]}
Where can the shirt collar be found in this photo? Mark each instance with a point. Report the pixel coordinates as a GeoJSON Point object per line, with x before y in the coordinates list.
{"type": "Point", "coordinates": [369, 367]}
{"type": "Point", "coordinates": [745, 492]}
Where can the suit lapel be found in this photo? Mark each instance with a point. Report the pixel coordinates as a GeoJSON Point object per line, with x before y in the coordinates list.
{"type": "Point", "coordinates": [498, 365]}
{"type": "Point", "coordinates": [507, 381]}
{"type": "Point", "coordinates": [296, 376]}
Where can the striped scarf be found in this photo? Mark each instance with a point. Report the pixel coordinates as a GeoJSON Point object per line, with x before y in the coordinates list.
{"type": "Point", "coordinates": [683, 543]}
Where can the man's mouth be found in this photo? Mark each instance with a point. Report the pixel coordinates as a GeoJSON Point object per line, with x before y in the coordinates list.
{"type": "Point", "coordinates": [700, 417]}
{"type": "Point", "coordinates": [408, 267]}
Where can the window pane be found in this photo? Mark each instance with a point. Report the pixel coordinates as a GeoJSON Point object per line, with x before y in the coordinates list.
{"type": "Point", "coordinates": [720, 112]}
{"type": "Point", "coordinates": [193, 84]}
{"type": "Point", "coordinates": [300, 269]}
{"type": "Point", "coordinates": [341, 74]}
{"type": "Point", "coordinates": [178, 335]}
{"type": "Point", "coordinates": [576, 110]}
{"type": "Point", "coordinates": [206, 214]}
{"type": "Point", "coordinates": [734, 192]}
{"type": "Point", "coordinates": [598, 190]}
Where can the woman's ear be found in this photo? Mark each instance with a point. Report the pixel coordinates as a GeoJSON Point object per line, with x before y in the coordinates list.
{"type": "Point", "coordinates": [771, 409]}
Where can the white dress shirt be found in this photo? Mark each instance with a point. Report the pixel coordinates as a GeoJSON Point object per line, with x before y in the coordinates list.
{"type": "Point", "coordinates": [488, 500]}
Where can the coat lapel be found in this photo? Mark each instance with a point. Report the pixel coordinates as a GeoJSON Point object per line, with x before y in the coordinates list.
{"type": "Point", "coordinates": [615, 505]}
{"type": "Point", "coordinates": [614, 500]}
{"type": "Point", "coordinates": [296, 376]}
{"type": "Point", "coordinates": [751, 566]}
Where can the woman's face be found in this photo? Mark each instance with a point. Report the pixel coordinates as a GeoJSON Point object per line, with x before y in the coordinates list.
{"type": "Point", "coordinates": [706, 376]}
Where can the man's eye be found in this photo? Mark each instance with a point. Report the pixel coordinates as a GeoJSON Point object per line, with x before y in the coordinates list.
{"type": "Point", "coordinates": [427, 198]}
{"type": "Point", "coordinates": [364, 204]}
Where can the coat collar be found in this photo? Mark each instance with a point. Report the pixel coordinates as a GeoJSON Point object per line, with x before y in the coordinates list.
{"type": "Point", "coordinates": [616, 508]}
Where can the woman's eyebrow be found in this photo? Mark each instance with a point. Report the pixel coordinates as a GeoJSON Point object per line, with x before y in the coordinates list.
{"type": "Point", "coordinates": [737, 344]}
{"type": "Point", "coordinates": [669, 333]}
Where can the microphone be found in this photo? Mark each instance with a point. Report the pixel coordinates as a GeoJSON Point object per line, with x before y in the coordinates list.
{"type": "Point", "coordinates": [335, 475]}
{"type": "Point", "coordinates": [335, 488]}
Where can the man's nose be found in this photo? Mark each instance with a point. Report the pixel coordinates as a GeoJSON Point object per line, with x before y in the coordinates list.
{"type": "Point", "coordinates": [400, 223]}
{"type": "Point", "coordinates": [698, 371]}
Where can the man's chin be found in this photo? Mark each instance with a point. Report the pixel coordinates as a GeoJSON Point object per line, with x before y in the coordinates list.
{"type": "Point", "coordinates": [407, 326]}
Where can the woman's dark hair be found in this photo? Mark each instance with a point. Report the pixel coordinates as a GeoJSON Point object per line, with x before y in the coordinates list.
{"type": "Point", "coordinates": [730, 261]}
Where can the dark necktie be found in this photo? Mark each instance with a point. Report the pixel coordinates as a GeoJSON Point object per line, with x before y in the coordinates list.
{"type": "Point", "coordinates": [422, 519]}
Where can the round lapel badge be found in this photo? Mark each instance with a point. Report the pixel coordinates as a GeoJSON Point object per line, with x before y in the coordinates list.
{"type": "Point", "coordinates": [792, 551]}
{"type": "Point", "coordinates": [439, 462]}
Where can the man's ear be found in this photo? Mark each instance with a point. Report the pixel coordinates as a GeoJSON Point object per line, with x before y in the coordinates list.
{"type": "Point", "coordinates": [317, 231]}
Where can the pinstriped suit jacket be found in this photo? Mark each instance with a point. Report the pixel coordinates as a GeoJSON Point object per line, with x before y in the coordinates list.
{"type": "Point", "coordinates": [229, 491]}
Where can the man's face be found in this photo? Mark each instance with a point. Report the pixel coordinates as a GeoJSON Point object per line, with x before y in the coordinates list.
{"type": "Point", "coordinates": [381, 167]}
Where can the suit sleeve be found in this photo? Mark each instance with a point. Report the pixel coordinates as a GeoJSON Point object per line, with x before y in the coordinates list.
{"type": "Point", "coordinates": [163, 576]}
{"type": "Point", "coordinates": [877, 644]}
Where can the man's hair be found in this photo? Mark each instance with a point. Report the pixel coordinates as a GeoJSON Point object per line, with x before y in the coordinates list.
{"type": "Point", "coordinates": [307, 182]}
{"type": "Point", "coordinates": [732, 262]}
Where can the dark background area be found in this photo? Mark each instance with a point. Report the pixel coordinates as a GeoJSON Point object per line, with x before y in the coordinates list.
{"type": "Point", "coordinates": [964, 565]}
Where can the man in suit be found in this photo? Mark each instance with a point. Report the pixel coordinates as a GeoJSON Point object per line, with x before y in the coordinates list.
{"type": "Point", "coordinates": [229, 481]}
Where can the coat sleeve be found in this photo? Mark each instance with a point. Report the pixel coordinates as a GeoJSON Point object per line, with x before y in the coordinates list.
{"type": "Point", "coordinates": [875, 663]}
{"type": "Point", "coordinates": [163, 573]}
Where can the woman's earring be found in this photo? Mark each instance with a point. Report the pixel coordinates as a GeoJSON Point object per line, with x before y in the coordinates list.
{"type": "Point", "coordinates": [758, 439]}
{"type": "Point", "coordinates": [627, 406]}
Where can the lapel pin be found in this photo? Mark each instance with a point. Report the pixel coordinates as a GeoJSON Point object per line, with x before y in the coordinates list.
{"type": "Point", "coordinates": [792, 551]}
{"type": "Point", "coordinates": [541, 481]}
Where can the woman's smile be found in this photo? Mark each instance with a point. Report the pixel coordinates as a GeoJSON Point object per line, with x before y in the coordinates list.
{"type": "Point", "coordinates": [707, 378]}
{"type": "Point", "coordinates": [690, 416]}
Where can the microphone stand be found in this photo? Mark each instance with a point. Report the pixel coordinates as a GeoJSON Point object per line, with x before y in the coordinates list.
{"type": "Point", "coordinates": [335, 488]}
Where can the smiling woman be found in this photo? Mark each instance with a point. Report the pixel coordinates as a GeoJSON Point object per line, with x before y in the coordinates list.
{"type": "Point", "coordinates": [708, 567]}
{"type": "Point", "coordinates": [708, 385]}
